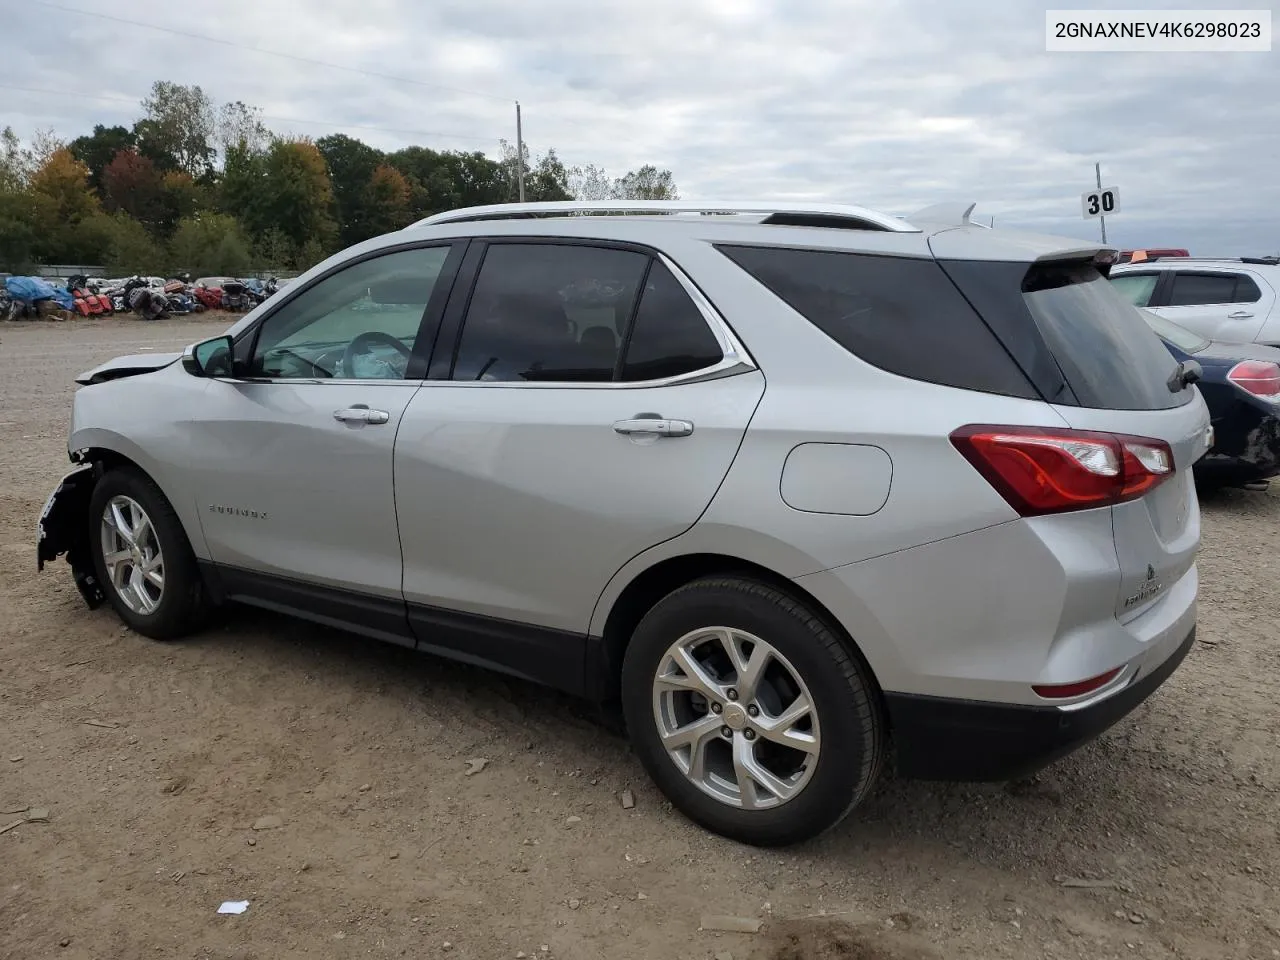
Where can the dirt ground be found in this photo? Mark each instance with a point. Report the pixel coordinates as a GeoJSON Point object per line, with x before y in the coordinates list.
{"type": "Point", "coordinates": [155, 761]}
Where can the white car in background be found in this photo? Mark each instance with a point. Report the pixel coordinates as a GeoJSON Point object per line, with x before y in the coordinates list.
{"type": "Point", "coordinates": [1220, 299]}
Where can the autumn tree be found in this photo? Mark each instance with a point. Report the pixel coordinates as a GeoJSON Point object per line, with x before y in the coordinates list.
{"type": "Point", "coordinates": [60, 203]}
{"type": "Point", "coordinates": [97, 150]}
{"type": "Point", "coordinates": [387, 200]}
{"type": "Point", "coordinates": [132, 184]}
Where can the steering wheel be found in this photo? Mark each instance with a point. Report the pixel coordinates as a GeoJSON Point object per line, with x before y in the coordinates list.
{"type": "Point", "coordinates": [363, 341]}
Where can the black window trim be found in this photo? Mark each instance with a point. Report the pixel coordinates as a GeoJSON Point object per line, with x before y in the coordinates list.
{"type": "Point", "coordinates": [734, 358]}
{"type": "Point", "coordinates": [246, 341]}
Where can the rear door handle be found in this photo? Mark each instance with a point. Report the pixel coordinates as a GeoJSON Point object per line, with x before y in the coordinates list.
{"type": "Point", "coordinates": [1239, 315]}
{"type": "Point", "coordinates": [361, 415]}
{"type": "Point", "coordinates": [654, 425]}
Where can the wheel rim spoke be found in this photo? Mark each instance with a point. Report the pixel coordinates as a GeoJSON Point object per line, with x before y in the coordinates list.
{"type": "Point", "coordinates": [748, 667]}
{"type": "Point", "coordinates": [782, 728]}
{"type": "Point", "coordinates": [695, 676]}
{"type": "Point", "coordinates": [752, 774]}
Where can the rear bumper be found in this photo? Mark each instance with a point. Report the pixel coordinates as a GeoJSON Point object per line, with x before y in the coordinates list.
{"type": "Point", "coordinates": [937, 738]}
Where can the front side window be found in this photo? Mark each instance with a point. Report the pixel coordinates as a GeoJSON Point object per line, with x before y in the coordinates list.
{"type": "Point", "coordinates": [1136, 287]}
{"type": "Point", "coordinates": [360, 323]}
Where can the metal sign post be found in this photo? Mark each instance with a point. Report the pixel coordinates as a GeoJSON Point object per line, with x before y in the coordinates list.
{"type": "Point", "coordinates": [1097, 171]}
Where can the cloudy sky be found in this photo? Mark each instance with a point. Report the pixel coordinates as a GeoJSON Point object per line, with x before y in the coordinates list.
{"type": "Point", "coordinates": [891, 105]}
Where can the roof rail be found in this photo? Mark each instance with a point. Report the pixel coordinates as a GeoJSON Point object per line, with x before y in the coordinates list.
{"type": "Point", "coordinates": [1262, 261]}
{"type": "Point", "coordinates": [783, 213]}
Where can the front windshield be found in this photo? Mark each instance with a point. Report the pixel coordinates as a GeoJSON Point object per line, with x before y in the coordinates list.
{"type": "Point", "coordinates": [1180, 337]}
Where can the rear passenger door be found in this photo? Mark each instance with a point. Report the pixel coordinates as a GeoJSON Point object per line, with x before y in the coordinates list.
{"type": "Point", "coordinates": [1219, 304]}
{"type": "Point", "coordinates": [584, 404]}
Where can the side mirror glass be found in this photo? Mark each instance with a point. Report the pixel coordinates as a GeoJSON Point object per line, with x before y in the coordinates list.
{"type": "Point", "coordinates": [210, 358]}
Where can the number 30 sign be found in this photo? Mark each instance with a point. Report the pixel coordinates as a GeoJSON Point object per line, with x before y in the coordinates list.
{"type": "Point", "coordinates": [1100, 203]}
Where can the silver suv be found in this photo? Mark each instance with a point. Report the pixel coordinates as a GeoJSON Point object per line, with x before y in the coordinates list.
{"type": "Point", "coordinates": [788, 485]}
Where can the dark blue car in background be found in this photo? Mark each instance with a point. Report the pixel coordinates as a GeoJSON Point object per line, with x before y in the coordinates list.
{"type": "Point", "coordinates": [1240, 383]}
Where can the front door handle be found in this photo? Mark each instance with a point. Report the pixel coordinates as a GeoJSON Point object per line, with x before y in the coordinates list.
{"type": "Point", "coordinates": [1239, 315]}
{"type": "Point", "coordinates": [361, 415]}
{"type": "Point", "coordinates": [654, 425]}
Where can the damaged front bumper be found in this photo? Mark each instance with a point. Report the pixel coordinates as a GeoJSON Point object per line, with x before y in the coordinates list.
{"type": "Point", "coordinates": [63, 528]}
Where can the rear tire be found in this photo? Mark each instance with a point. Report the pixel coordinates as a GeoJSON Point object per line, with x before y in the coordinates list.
{"type": "Point", "coordinates": [770, 761]}
{"type": "Point", "coordinates": [142, 557]}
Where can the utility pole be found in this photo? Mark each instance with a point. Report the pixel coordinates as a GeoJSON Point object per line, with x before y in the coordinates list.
{"type": "Point", "coordinates": [520, 160]}
{"type": "Point", "coordinates": [1097, 169]}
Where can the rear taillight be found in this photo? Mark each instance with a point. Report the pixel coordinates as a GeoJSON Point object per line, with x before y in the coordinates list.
{"type": "Point", "coordinates": [1042, 470]}
{"type": "Point", "coordinates": [1258, 377]}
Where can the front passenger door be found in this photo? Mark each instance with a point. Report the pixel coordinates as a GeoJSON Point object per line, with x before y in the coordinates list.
{"type": "Point", "coordinates": [295, 472]}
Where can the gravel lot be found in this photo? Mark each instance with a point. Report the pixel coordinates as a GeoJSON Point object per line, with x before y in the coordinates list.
{"type": "Point", "coordinates": [1158, 841]}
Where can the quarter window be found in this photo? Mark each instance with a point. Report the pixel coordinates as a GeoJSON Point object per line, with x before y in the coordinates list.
{"type": "Point", "coordinates": [360, 323]}
{"type": "Point", "coordinates": [670, 336]}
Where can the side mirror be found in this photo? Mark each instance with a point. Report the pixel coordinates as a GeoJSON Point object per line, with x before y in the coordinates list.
{"type": "Point", "coordinates": [210, 358]}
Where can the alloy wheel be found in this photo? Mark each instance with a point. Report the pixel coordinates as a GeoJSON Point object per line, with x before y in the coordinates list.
{"type": "Point", "coordinates": [132, 556]}
{"type": "Point", "coordinates": [736, 718]}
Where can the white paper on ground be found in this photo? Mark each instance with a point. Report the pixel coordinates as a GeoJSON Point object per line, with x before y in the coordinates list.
{"type": "Point", "coordinates": [234, 906]}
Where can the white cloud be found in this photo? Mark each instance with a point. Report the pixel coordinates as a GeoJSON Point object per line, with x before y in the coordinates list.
{"type": "Point", "coordinates": [892, 105]}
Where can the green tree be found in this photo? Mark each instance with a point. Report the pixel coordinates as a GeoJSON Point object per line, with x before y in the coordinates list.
{"type": "Point", "coordinates": [549, 180]}
{"type": "Point", "coordinates": [647, 183]}
{"type": "Point", "coordinates": [210, 244]}
{"type": "Point", "coordinates": [127, 248]}
{"type": "Point", "coordinates": [274, 252]}
{"type": "Point", "coordinates": [97, 150]}
{"type": "Point", "coordinates": [351, 164]}
{"type": "Point", "coordinates": [177, 132]}
{"type": "Point", "coordinates": [297, 195]}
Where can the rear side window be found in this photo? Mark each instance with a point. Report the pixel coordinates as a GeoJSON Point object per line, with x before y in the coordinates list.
{"type": "Point", "coordinates": [1206, 289]}
{"type": "Point", "coordinates": [1106, 351]}
{"type": "Point", "coordinates": [900, 314]}
{"type": "Point", "coordinates": [1199, 289]}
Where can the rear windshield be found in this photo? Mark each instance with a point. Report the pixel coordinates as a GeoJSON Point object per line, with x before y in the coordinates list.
{"type": "Point", "coordinates": [1080, 341]}
{"type": "Point", "coordinates": [1107, 352]}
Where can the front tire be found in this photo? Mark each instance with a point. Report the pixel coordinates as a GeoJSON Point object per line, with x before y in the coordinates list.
{"type": "Point", "coordinates": [750, 713]}
{"type": "Point", "coordinates": [142, 557]}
